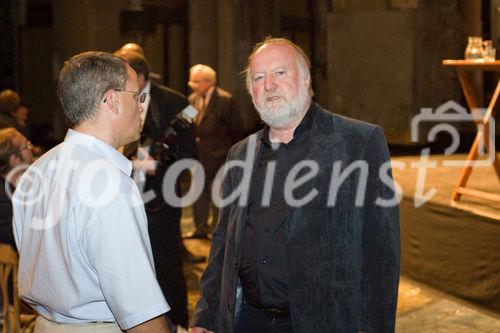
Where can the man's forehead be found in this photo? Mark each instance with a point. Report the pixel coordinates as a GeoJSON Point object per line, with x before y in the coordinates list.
{"type": "Point", "coordinates": [196, 74]}
{"type": "Point", "coordinates": [274, 55]}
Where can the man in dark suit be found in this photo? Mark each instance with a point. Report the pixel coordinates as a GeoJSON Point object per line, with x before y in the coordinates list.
{"type": "Point", "coordinates": [218, 126]}
{"type": "Point", "coordinates": [160, 108]}
{"type": "Point", "coordinates": [308, 233]}
{"type": "Point", "coordinates": [15, 151]}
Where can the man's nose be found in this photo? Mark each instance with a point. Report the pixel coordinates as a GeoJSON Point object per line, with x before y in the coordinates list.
{"type": "Point", "coordinates": [269, 84]}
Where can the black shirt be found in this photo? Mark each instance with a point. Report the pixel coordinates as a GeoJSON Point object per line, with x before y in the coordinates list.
{"type": "Point", "coordinates": [263, 268]}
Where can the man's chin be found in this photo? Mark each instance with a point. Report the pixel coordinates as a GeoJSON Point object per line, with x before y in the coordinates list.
{"type": "Point", "coordinates": [134, 138]}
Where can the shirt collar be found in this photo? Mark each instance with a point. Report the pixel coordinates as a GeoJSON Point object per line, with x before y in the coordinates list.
{"type": "Point", "coordinates": [101, 148]}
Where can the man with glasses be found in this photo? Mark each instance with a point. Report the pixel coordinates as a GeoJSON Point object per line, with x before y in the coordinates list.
{"type": "Point", "coordinates": [15, 156]}
{"type": "Point", "coordinates": [85, 257]}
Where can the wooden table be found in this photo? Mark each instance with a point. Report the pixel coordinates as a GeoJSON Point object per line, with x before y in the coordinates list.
{"type": "Point", "coordinates": [462, 66]}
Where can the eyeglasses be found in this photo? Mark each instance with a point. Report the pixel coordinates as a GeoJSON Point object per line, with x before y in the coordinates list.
{"type": "Point", "coordinates": [139, 97]}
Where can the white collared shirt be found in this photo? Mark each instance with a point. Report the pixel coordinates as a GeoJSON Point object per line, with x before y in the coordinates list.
{"type": "Point", "coordinates": [82, 235]}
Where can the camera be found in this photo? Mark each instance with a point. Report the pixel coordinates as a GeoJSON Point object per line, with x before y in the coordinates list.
{"type": "Point", "coordinates": [167, 151]}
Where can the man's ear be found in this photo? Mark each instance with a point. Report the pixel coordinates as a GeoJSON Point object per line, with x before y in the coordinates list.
{"type": "Point", "coordinates": [14, 160]}
{"type": "Point", "coordinates": [111, 100]}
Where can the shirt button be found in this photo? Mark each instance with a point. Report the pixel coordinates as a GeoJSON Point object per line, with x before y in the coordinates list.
{"type": "Point", "coordinates": [263, 261]}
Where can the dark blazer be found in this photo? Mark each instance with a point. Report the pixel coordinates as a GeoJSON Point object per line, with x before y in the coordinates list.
{"type": "Point", "coordinates": [343, 260]}
{"type": "Point", "coordinates": [220, 128]}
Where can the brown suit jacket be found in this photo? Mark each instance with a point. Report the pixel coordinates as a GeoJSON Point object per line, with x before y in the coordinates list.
{"type": "Point", "coordinates": [219, 129]}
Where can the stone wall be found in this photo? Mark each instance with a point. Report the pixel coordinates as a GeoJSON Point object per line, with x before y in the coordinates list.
{"type": "Point", "coordinates": [376, 60]}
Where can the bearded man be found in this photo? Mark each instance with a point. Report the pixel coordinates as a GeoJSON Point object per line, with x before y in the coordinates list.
{"type": "Point", "coordinates": [308, 232]}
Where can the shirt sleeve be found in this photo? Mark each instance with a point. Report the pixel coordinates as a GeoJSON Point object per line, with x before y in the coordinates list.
{"type": "Point", "coordinates": [119, 250]}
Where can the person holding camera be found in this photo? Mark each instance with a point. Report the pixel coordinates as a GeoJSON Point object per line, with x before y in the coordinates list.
{"type": "Point", "coordinates": [161, 107]}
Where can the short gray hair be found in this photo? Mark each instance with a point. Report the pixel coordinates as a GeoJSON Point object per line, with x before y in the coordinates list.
{"type": "Point", "coordinates": [303, 61]}
{"type": "Point", "coordinates": [84, 80]}
{"type": "Point", "coordinates": [208, 72]}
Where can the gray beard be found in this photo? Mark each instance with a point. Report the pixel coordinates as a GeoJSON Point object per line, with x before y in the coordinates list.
{"type": "Point", "coordinates": [283, 115]}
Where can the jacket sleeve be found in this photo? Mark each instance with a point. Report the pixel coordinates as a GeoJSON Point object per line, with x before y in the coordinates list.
{"type": "Point", "coordinates": [206, 312]}
{"type": "Point", "coordinates": [380, 243]}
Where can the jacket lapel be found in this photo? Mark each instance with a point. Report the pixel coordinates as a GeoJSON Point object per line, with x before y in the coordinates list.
{"type": "Point", "coordinates": [241, 211]}
{"type": "Point", "coordinates": [320, 150]}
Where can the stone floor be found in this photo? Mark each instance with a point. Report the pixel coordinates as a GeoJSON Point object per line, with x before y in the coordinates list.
{"type": "Point", "coordinates": [420, 309]}
{"type": "Point", "coordinates": [423, 310]}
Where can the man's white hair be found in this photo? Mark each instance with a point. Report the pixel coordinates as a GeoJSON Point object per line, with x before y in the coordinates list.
{"type": "Point", "coordinates": [208, 72]}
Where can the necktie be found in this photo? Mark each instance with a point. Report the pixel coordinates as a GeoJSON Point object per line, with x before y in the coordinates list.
{"type": "Point", "coordinates": [202, 108]}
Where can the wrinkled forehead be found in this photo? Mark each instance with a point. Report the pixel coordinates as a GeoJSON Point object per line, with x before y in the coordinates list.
{"type": "Point", "coordinates": [273, 55]}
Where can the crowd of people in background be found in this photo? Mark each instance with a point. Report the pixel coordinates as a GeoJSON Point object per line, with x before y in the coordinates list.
{"type": "Point", "coordinates": [113, 265]}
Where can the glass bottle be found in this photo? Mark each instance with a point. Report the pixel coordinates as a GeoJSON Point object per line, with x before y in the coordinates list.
{"type": "Point", "coordinates": [474, 50]}
{"type": "Point", "coordinates": [489, 51]}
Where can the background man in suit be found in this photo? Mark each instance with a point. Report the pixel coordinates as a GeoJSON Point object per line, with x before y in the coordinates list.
{"type": "Point", "coordinates": [15, 150]}
{"type": "Point", "coordinates": [218, 126]}
{"type": "Point", "coordinates": [160, 108]}
{"type": "Point", "coordinates": [308, 255]}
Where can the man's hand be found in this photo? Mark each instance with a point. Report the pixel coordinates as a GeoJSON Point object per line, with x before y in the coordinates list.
{"type": "Point", "coordinates": [200, 330]}
{"type": "Point", "coordinates": [155, 325]}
